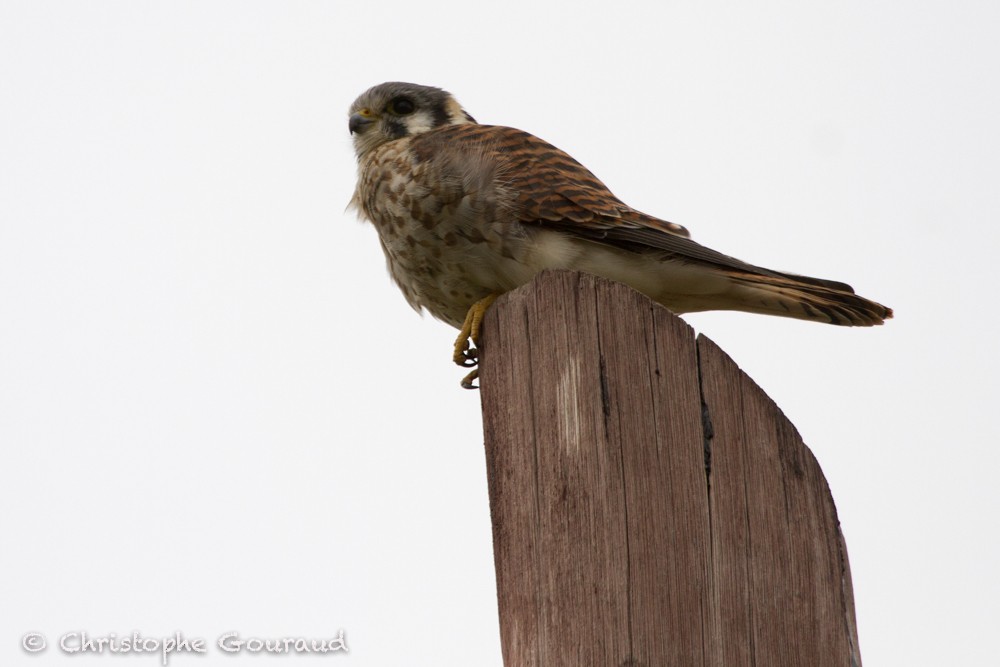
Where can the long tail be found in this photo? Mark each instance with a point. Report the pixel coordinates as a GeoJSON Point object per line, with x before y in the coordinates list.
{"type": "Point", "coordinates": [804, 298]}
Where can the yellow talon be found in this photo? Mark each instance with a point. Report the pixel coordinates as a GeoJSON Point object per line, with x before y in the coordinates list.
{"type": "Point", "coordinates": [465, 354]}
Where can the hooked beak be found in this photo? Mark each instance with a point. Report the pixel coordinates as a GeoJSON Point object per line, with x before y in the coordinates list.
{"type": "Point", "coordinates": [359, 121]}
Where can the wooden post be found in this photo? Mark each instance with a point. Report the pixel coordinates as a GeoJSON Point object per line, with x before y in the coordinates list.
{"type": "Point", "coordinates": [651, 505]}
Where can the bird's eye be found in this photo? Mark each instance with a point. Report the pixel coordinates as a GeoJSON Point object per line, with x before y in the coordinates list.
{"type": "Point", "coordinates": [401, 106]}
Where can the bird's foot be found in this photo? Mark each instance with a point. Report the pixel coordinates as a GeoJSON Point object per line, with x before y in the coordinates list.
{"type": "Point", "coordinates": [465, 354]}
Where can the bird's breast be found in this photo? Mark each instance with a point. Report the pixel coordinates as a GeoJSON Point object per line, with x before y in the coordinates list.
{"type": "Point", "coordinates": [449, 236]}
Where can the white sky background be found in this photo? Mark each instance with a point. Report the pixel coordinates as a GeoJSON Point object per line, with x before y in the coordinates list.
{"type": "Point", "coordinates": [217, 413]}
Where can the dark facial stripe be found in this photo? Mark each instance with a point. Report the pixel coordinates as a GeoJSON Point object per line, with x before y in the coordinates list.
{"type": "Point", "coordinates": [395, 128]}
{"type": "Point", "coordinates": [441, 116]}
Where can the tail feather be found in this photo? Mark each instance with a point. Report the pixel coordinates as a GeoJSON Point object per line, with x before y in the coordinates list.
{"type": "Point", "coordinates": [806, 298]}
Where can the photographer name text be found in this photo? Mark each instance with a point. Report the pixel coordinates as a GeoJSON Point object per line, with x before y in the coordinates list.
{"type": "Point", "coordinates": [81, 643]}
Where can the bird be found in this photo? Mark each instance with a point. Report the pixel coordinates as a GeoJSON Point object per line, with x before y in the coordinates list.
{"type": "Point", "coordinates": [467, 211]}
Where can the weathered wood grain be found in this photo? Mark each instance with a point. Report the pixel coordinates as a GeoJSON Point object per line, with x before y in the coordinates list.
{"type": "Point", "coordinates": [651, 506]}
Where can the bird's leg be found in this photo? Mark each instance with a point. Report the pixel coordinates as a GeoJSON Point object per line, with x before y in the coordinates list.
{"type": "Point", "coordinates": [466, 355]}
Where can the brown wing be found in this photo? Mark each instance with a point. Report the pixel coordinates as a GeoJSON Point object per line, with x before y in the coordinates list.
{"type": "Point", "coordinates": [551, 187]}
{"type": "Point", "coordinates": [555, 191]}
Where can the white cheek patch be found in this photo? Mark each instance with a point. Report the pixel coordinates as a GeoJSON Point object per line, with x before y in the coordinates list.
{"type": "Point", "coordinates": [419, 121]}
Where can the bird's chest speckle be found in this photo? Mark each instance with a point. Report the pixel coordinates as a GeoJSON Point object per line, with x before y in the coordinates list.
{"type": "Point", "coordinates": [447, 238]}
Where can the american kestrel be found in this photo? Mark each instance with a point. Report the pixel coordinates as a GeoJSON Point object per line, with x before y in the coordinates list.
{"type": "Point", "coordinates": [466, 212]}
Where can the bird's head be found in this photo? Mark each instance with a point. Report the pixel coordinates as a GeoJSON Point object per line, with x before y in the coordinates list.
{"type": "Point", "coordinates": [394, 110]}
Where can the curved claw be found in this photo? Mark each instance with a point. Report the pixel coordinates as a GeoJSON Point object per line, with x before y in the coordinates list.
{"type": "Point", "coordinates": [467, 380]}
{"type": "Point", "coordinates": [466, 357]}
